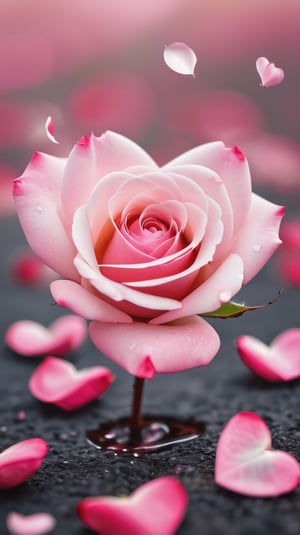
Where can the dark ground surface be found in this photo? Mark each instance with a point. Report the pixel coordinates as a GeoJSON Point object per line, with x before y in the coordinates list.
{"type": "Point", "coordinates": [73, 470]}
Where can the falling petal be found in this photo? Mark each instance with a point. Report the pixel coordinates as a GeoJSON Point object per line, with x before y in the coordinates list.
{"type": "Point", "coordinates": [49, 127]}
{"type": "Point", "coordinates": [180, 58]}
{"type": "Point", "coordinates": [269, 74]}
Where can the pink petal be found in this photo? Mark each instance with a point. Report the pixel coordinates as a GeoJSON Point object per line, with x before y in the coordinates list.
{"type": "Point", "coordinates": [245, 462]}
{"type": "Point", "coordinates": [94, 157]}
{"type": "Point", "coordinates": [209, 295]}
{"type": "Point", "coordinates": [155, 508]}
{"type": "Point", "coordinates": [57, 381]}
{"type": "Point", "coordinates": [260, 237]}
{"type": "Point", "coordinates": [36, 524]}
{"type": "Point", "coordinates": [232, 168]}
{"type": "Point", "coordinates": [180, 58]}
{"type": "Point", "coordinates": [71, 295]}
{"type": "Point", "coordinates": [30, 338]}
{"type": "Point", "coordinates": [144, 349]}
{"type": "Point", "coordinates": [36, 194]}
{"type": "Point", "coordinates": [49, 127]}
{"type": "Point", "coordinates": [120, 292]}
{"type": "Point", "coordinates": [269, 74]}
{"type": "Point", "coordinates": [20, 461]}
{"type": "Point", "coordinates": [214, 188]}
{"type": "Point", "coordinates": [279, 362]}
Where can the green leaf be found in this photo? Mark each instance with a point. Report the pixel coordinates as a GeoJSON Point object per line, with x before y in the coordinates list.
{"type": "Point", "coordinates": [234, 310]}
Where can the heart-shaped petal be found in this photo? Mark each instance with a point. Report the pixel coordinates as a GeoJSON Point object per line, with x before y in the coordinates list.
{"type": "Point", "coordinates": [57, 381]}
{"type": "Point", "coordinates": [20, 461]}
{"type": "Point", "coordinates": [268, 72]}
{"type": "Point", "coordinates": [278, 362]}
{"type": "Point", "coordinates": [180, 58]}
{"type": "Point", "coordinates": [246, 463]}
{"type": "Point", "coordinates": [36, 524]}
{"type": "Point", "coordinates": [155, 508]}
{"type": "Point", "coordinates": [29, 338]}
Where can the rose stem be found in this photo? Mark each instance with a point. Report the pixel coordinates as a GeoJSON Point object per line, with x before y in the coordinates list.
{"type": "Point", "coordinates": [135, 418]}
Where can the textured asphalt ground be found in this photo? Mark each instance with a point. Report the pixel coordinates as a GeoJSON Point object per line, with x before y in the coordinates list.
{"type": "Point", "coordinates": [73, 470]}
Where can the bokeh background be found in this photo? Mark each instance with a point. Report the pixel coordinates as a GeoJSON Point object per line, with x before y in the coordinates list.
{"type": "Point", "coordinates": [96, 64]}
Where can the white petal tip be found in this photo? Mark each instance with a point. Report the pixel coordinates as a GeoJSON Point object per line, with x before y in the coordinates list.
{"type": "Point", "coordinates": [49, 128]}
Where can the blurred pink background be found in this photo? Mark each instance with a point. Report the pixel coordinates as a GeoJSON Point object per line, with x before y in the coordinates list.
{"type": "Point", "coordinates": [97, 64]}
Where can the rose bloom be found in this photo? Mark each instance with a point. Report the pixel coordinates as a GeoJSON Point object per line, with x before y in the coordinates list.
{"type": "Point", "coordinates": [145, 249]}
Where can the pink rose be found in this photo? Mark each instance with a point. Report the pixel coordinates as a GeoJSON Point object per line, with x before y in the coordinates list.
{"type": "Point", "coordinates": [146, 249]}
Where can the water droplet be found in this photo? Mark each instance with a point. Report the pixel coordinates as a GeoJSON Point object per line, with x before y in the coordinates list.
{"type": "Point", "coordinates": [257, 247]}
{"type": "Point", "coordinates": [224, 297]}
{"type": "Point", "coordinates": [39, 207]}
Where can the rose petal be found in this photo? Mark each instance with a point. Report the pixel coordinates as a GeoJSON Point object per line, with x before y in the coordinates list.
{"type": "Point", "coordinates": [36, 192]}
{"type": "Point", "coordinates": [178, 346]}
{"type": "Point", "coordinates": [30, 338]}
{"type": "Point", "coordinates": [71, 295]}
{"type": "Point", "coordinates": [259, 238]}
{"type": "Point", "coordinates": [279, 362]}
{"type": "Point", "coordinates": [211, 184]}
{"type": "Point", "coordinates": [49, 127]}
{"type": "Point", "coordinates": [232, 168]}
{"type": "Point", "coordinates": [269, 74]}
{"type": "Point", "coordinates": [94, 157]}
{"type": "Point", "coordinates": [20, 461]}
{"type": "Point", "coordinates": [36, 524]}
{"type": "Point", "coordinates": [57, 381]}
{"type": "Point", "coordinates": [245, 462]}
{"type": "Point", "coordinates": [209, 295]}
{"type": "Point", "coordinates": [180, 58]}
{"type": "Point", "coordinates": [155, 508]}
